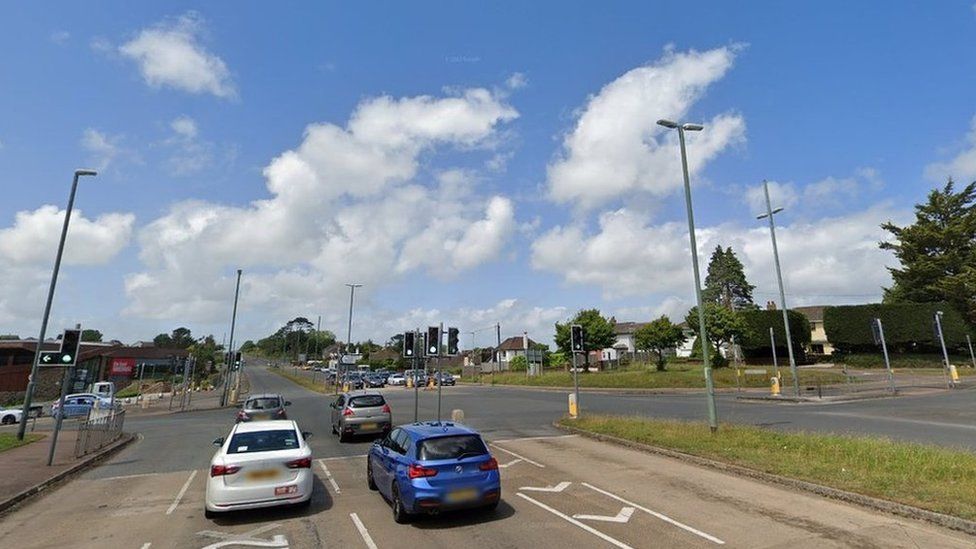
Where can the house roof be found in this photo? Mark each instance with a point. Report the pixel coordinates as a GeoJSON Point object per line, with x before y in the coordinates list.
{"type": "Point", "coordinates": [514, 343]}
{"type": "Point", "coordinates": [623, 328]}
{"type": "Point", "coordinates": [814, 313]}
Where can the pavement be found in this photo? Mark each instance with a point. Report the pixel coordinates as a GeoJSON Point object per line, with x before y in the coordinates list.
{"type": "Point", "coordinates": [558, 491]}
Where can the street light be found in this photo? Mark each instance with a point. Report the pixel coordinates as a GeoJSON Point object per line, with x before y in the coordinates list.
{"type": "Point", "coordinates": [32, 380]}
{"type": "Point", "coordinates": [770, 212]}
{"type": "Point", "coordinates": [706, 366]}
{"type": "Point", "coordinates": [345, 367]}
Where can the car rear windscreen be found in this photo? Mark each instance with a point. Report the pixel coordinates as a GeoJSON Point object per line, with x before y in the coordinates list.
{"type": "Point", "coordinates": [451, 447]}
{"type": "Point", "coordinates": [263, 441]}
{"type": "Point", "coordinates": [269, 403]}
{"type": "Point", "coordinates": [366, 401]}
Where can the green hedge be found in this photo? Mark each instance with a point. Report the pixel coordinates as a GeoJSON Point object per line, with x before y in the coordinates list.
{"type": "Point", "coordinates": [755, 340]}
{"type": "Point", "coordinates": [908, 327]}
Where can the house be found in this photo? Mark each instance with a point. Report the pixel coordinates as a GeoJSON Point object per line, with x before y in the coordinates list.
{"type": "Point", "coordinates": [818, 336]}
{"type": "Point", "coordinates": [625, 344]}
{"type": "Point", "coordinates": [684, 350]}
{"type": "Point", "coordinates": [511, 348]}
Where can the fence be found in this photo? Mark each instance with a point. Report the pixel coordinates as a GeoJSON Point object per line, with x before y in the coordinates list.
{"type": "Point", "coordinates": [99, 432]}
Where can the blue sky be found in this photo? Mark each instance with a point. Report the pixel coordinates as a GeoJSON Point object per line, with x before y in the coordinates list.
{"type": "Point", "coordinates": [472, 164]}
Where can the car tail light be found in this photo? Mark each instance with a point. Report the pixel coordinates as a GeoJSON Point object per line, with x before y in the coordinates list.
{"type": "Point", "coordinates": [386, 409]}
{"type": "Point", "coordinates": [242, 415]}
{"type": "Point", "coordinates": [280, 412]}
{"type": "Point", "coordinates": [490, 465]}
{"type": "Point", "coordinates": [221, 470]}
{"type": "Point", "coordinates": [348, 412]}
{"type": "Point", "coordinates": [302, 463]}
{"type": "Point", "coordinates": [418, 471]}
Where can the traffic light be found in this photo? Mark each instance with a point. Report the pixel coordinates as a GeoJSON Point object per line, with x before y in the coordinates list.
{"type": "Point", "coordinates": [453, 341]}
{"type": "Point", "coordinates": [237, 357]}
{"type": "Point", "coordinates": [67, 355]}
{"type": "Point", "coordinates": [408, 344]}
{"type": "Point", "coordinates": [433, 341]}
{"type": "Point", "coordinates": [576, 338]}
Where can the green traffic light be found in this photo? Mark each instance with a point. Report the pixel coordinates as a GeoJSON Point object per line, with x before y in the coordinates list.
{"type": "Point", "coordinates": [66, 359]}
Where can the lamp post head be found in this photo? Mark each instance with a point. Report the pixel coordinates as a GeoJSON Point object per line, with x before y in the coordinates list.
{"type": "Point", "coordinates": [85, 171]}
{"type": "Point", "coordinates": [692, 127]}
{"type": "Point", "coordinates": [667, 123]}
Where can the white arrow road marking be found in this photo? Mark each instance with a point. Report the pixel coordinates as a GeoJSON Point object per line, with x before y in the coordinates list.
{"type": "Point", "coordinates": [277, 541]}
{"type": "Point", "coordinates": [510, 463]}
{"type": "Point", "coordinates": [328, 475]}
{"type": "Point", "coordinates": [179, 496]}
{"type": "Point", "coordinates": [575, 522]}
{"type": "Point", "coordinates": [523, 458]}
{"type": "Point", "coordinates": [557, 488]}
{"type": "Point", "coordinates": [663, 517]}
{"type": "Point", "coordinates": [622, 516]}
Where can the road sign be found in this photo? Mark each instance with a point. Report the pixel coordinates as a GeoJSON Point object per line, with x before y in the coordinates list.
{"type": "Point", "coordinates": [349, 359]}
{"type": "Point", "coordinates": [534, 355]}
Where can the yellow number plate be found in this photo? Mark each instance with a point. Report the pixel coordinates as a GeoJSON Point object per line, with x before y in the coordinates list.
{"type": "Point", "coordinates": [262, 474]}
{"type": "Point", "coordinates": [365, 426]}
{"type": "Point", "coordinates": [458, 496]}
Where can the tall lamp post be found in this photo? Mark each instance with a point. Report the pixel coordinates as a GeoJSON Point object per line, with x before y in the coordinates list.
{"type": "Point", "coordinates": [230, 348]}
{"type": "Point", "coordinates": [32, 380]}
{"type": "Point", "coordinates": [703, 336]}
{"type": "Point", "coordinates": [770, 212]}
{"type": "Point", "coordinates": [352, 294]}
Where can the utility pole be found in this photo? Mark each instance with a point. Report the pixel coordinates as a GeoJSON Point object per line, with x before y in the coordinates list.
{"type": "Point", "coordinates": [945, 353]}
{"type": "Point", "coordinates": [702, 333]}
{"type": "Point", "coordinates": [971, 356]}
{"type": "Point", "coordinates": [32, 379]}
{"type": "Point", "coordinates": [230, 350]}
{"type": "Point", "coordinates": [782, 293]}
{"type": "Point", "coordinates": [884, 349]}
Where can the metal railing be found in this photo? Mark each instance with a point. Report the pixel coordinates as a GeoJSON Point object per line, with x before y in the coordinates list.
{"type": "Point", "coordinates": [99, 432]}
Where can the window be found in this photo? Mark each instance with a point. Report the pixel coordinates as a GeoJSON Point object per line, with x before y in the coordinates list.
{"type": "Point", "coordinates": [340, 402]}
{"type": "Point", "coordinates": [263, 403]}
{"type": "Point", "coordinates": [402, 441]}
{"type": "Point", "coordinates": [451, 447]}
{"type": "Point", "coordinates": [263, 441]}
{"type": "Point", "coordinates": [366, 401]}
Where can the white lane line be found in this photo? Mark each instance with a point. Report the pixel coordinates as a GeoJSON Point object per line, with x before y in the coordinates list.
{"type": "Point", "coordinates": [665, 518]}
{"type": "Point", "coordinates": [123, 477]}
{"type": "Point", "coordinates": [575, 522]}
{"type": "Point", "coordinates": [328, 476]}
{"type": "Point", "coordinates": [523, 458]}
{"type": "Point", "coordinates": [362, 531]}
{"type": "Point", "coordinates": [336, 458]}
{"type": "Point", "coordinates": [179, 496]}
{"type": "Point", "coordinates": [146, 545]}
{"type": "Point", "coordinates": [544, 437]}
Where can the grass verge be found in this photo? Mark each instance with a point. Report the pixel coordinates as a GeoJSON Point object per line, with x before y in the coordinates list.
{"type": "Point", "coordinates": [673, 378]}
{"type": "Point", "coordinates": [932, 478]}
{"type": "Point", "coordinates": [302, 380]}
{"type": "Point", "coordinates": [9, 440]}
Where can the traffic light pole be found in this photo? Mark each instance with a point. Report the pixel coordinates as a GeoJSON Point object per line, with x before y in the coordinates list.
{"type": "Point", "coordinates": [576, 384]}
{"type": "Point", "coordinates": [413, 374]}
{"type": "Point", "coordinates": [440, 380]}
{"type": "Point", "coordinates": [69, 375]}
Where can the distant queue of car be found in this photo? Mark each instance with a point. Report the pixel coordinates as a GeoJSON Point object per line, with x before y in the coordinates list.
{"type": "Point", "coordinates": [381, 378]}
{"type": "Point", "coordinates": [420, 468]}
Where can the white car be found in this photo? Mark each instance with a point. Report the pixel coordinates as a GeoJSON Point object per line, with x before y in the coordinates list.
{"type": "Point", "coordinates": [9, 416]}
{"type": "Point", "coordinates": [260, 464]}
{"type": "Point", "coordinates": [396, 379]}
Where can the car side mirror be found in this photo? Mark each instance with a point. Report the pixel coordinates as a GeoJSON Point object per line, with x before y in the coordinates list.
{"type": "Point", "coordinates": [306, 435]}
{"type": "Point", "coordinates": [219, 441]}
{"type": "Point", "coordinates": [287, 403]}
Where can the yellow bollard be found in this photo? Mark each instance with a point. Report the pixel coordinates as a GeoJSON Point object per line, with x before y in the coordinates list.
{"type": "Point", "coordinates": [573, 410]}
{"type": "Point", "coordinates": [410, 382]}
{"type": "Point", "coordinates": [953, 373]}
{"type": "Point", "coordinates": [430, 383]}
{"type": "Point", "coordinates": [774, 386]}
{"type": "Point", "coordinates": [345, 387]}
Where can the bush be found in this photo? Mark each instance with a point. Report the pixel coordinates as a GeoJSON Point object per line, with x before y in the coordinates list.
{"type": "Point", "coordinates": [518, 364]}
{"type": "Point", "coordinates": [755, 339]}
{"type": "Point", "coordinates": [908, 327]}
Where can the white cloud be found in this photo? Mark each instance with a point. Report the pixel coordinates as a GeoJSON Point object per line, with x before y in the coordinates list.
{"type": "Point", "coordinates": [516, 81]}
{"type": "Point", "coordinates": [781, 195]}
{"type": "Point", "coordinates": [832, 259]}
{"type": "Point", "coordinates": [170, 54]}
{"type": "Point", "coordinates": [617, 147]}
{"type": "Point", "coordinates": [962, 167]}
{"type": "Point", "coordinates": [344, 205]}
{"type": "Point", "coordinates": [190, 155]}
{"type": "Point", "coordinates": [833, 193]}
{"type": "Point", "coordinates": [60, 37]}
{"type": "Point", "coordinates": [184, 126]}
{"type": "Point", "coordinates": [102, 147]}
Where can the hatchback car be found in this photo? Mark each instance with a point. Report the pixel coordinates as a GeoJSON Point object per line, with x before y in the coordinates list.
{"type": "Point", "coordinates": [374, 381]}
{"type": "Point", "coordinates": [263, 407]}
{"type": "Point", "coordinates": [360, 413]}
{"type": "Point", "coordinates": [259, 464]}
{"type": "Point", "coordinates": [9, 416]}
{"type": "Point", "coordinates": [443, 378]}
{"type": "Point", "coordinates": [433, 467]}
{"type": "Point", "coordinates": [76, 405]}
{"type": "Point", "coordinates": [396, 379]}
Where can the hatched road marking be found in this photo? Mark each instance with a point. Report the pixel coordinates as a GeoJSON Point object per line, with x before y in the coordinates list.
{"type": "Point", "coordinates": [523, 458]}
{"type": "Point", "coordinates": [622, 517]}
{"type": "Point", "coordinates": [575, 522]}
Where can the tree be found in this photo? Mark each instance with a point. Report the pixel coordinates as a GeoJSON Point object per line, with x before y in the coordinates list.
{"type": "Point", "coordinates": [659, 336]}
{"type": "Point", "coordinates": [248, 347]}
{"type": "Point", "coordinates": [726, 282]}
{"type": "Point", "coordinates": [181, 338]}
{"type": "Point", "coordinates": [207, 353]}
{"type": "Point", "coordinates": [598, 333]}
{"type": "Point", "coordinates": [721, 325]}
{"type": "Point", "coordinates": [938, 252]}
{"type": "Point", "coordinates": [93, 336]}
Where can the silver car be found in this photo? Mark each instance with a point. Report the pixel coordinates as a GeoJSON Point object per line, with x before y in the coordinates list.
{"type": "Point", "coordinates": [360, 413]}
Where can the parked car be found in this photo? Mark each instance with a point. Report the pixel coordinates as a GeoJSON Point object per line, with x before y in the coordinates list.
{"type": "Point", "coordinates": [263, 407]}
{"type": "Point", "coordinates": [360, 413]}
{"type": "Point", "coordinates": [396, 380]}
{"type": "Point", "coordinates": [433, 467]}
{"type": "Point", "coordinates": [75, 405]}
{"type": "Point", "coordinates": [443, 378]}
{"type": "Point", "coordinates": [259, 464]}
{"type": "Point", "coordinates": [354, 380]}
{"type": "Point", "coordinates": [374, 381]}
{"type": "Point", "coordinates": [9, 416]}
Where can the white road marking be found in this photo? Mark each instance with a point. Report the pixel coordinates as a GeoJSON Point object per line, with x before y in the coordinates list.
{"type": "Point", "coordinates": [622, 517]}
{"type": "Point", "coordinates": [903, 420]}
{"type": "Point", "coordinates": [523, 458]}
{"type": "Point", "coordinates": [179, 496]}
{"type": "Point", "coordinates": [665, 518]}
{"type": "Point", "coordinates": [328, 475]}
{"type": "Point", "coordinates": [544, 437]}
{"type": "Point", "coordinates": [509, 464]}
{"type": "Point", "coordinates": [146, 545]}
{"type": "Point", "coordinates": [123, 477]}
{"type": "Point", "coordinates": [277, 541]}
{"type": "Point", "coordinates": [557, 488]}
{"type": "Point", "coordinates": [245, 535]}
{"type": "Point", "coordinates": [362, 531]}
{"type": "Point", "coordinates": [575, 522]}
{"type": "Point", "coordinates": [335, 458]}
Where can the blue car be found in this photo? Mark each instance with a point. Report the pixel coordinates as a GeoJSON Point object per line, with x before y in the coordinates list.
{"type": "Point", "coordinates": [76, 405]}
{"type": "Point", "coordinates": [433, 467]}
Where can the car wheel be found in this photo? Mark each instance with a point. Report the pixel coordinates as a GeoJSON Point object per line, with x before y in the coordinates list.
{"type": "Point", "coordinates": [343, 437]}
{"type": "Point", "coordinates": [370, 481]}
{"type": "Point", "coordinates": [400, 515]}
{"type": "Point", "coordinates": [8, 419]}
{"type": "Point", "coordinates": [334, 432]}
